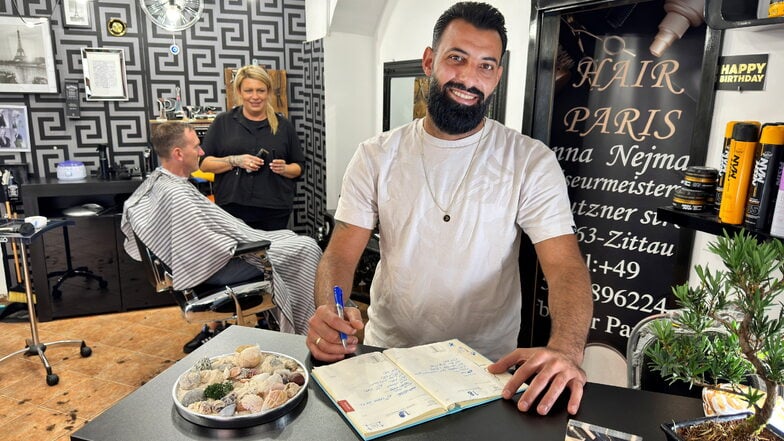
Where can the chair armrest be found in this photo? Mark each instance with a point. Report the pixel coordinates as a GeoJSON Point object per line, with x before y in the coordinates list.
{"type": "Point", "coordinates": [250, 247]}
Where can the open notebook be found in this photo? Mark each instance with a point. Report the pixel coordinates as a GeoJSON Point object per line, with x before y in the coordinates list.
{"type": "Point", "coordinates": [383, 392]}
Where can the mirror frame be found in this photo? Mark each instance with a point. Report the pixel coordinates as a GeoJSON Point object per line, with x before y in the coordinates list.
{"type": "Point", "coordinates": [413, 69]}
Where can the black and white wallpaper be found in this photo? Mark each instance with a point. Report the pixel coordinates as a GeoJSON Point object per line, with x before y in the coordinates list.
{"type": "Point", "coordinates": [231, 33]}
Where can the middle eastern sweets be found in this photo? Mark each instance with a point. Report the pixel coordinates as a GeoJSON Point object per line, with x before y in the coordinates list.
{"type": "Point", "coordinates": [246, 382]}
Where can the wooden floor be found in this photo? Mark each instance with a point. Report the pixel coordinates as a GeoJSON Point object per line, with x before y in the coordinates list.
{"type": "Point", "coordinates": [128, 350]}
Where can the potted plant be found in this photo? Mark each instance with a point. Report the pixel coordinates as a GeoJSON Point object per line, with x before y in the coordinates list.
{"type": "Point", "coordinates": [727, 331]}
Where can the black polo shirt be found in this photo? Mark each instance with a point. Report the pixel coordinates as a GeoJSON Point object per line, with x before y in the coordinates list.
{"type": "Point", "coordinates": [233, 134]}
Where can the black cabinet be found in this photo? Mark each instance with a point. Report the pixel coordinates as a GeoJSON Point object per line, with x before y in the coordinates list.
{"type": "Point", "coordinates": [726, 14]}
{"type": "Point", "coordinates": [92, 245]}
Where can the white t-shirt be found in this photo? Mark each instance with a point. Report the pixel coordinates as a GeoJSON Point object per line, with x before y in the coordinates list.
{"type": "Point", "coordinates": [439, 280]}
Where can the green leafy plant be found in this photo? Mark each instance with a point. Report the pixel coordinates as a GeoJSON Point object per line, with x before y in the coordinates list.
{"type": "Point", "coordinates": [727, 328]}
{"type": "Point", "coordinates": [216, 391]}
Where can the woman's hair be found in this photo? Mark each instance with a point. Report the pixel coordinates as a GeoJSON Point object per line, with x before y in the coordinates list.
{"type": "Point", "coordinates": [257, 73]}
{"type": "Point", "coordinates": [167, 135]}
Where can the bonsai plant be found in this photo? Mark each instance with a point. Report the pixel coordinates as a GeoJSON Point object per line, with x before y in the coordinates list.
{"type": "Point", "coordinates": [727, 330]}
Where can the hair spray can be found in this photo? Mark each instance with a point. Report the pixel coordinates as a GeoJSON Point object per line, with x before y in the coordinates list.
{"type": "Point", "coordinates": [725, 152]}
{"type": "Point", "coordinates": [765, 179]}
{"type": "Point", "coordinates": [740, 164]}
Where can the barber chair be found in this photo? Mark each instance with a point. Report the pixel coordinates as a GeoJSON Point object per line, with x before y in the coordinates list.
{"type": "Point", "coordinates": [208, 303]}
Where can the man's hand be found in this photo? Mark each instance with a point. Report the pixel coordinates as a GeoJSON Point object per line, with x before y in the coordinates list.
{"type": "Point", "coordinates": [323, 337]}
{"type": "Point", "coordinates": [550, 367]}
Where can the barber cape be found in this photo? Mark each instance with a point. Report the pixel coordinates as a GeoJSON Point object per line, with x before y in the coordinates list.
{"type": "Point", "coordinates": [196, 238]}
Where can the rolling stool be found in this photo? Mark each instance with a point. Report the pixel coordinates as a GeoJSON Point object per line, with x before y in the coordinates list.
{"type": "Point", "coordinates": [70, 271]}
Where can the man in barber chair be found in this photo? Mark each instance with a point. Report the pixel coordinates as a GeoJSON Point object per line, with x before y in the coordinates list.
{"type": "Point", "coordinates": [197, 239]}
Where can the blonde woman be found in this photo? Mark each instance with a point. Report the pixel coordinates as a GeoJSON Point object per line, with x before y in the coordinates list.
{"type": "Point", "coordinates": [255, 155]}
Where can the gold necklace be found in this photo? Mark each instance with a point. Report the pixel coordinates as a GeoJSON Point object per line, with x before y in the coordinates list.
{"type": "Point", "coordinates": [446, 210]}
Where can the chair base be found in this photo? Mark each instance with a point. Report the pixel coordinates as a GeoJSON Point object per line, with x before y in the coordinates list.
{"type": "Point", "coordinates": [77, 272]}
{"type": "Point", "coordinates": [39, 349]}
{"type": "Point", "coordinates": [223, 306]}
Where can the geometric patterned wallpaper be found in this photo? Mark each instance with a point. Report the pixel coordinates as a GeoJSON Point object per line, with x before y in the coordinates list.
{"type": "Point", "coordinates": [231, 33]}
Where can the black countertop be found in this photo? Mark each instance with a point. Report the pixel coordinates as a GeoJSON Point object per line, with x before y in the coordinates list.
{"type": "Point", "coordinates": [148, 413]}
{"type": "Point", "coordinates": [53, 187]}
{"type": "Point", "coordinates": [48, 196]}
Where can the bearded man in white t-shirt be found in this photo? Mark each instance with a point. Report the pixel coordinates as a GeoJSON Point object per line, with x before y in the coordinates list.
{"type": "Point", "coordinates": [451, 194]}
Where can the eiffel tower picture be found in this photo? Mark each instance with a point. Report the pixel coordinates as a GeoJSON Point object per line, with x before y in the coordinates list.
{"type": "Point", "coordinates": [76, 14]}
{"type": "Point", "coordinates": [20, 53]}
{"type": "Point", "coordinates": [27, 63]}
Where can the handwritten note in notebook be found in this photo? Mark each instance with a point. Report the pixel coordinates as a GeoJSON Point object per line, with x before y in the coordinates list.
{"type": "Point", "coordinates": [383, 392]}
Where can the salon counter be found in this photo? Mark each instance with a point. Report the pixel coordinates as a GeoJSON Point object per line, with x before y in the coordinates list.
{"type": "Point", "coordinates": [149, 413]}
{"type": "Point", "coordinates": [93, 243]}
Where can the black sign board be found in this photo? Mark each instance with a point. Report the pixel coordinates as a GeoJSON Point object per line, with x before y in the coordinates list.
{"type": "Point", "coordinates": [742, 72]}
{"type": "Point", "coordinates": [621, 125]}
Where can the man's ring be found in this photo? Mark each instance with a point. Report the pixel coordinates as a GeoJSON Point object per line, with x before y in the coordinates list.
{"type": "Point", "coordinates": [318, 340]}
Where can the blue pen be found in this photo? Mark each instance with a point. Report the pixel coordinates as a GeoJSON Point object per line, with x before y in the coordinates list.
{"type": "Point", "coordinates": [339, 305]}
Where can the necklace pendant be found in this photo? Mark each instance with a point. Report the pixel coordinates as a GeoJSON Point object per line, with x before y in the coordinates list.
{"type": "Point", "coordinates": [447, 218]}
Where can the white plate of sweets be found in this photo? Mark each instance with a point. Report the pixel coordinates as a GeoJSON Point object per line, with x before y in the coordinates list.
{"type": "Point", "coordinates": [242, 389]}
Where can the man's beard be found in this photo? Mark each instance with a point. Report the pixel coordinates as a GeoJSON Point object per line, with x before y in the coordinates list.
{"type": "Point", "coordinates": [451, 117]}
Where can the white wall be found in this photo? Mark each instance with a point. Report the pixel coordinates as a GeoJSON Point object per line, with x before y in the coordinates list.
{"type": "Point", "coordinates": [318, 14]}
{"type": "Point", "coordinates": [763, 106]}
{"type": "Point", "coordinates": [350, 83]}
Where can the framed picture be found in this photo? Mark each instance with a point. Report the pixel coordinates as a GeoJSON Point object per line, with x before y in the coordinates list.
{"type": "Point", "coordinates": [76, 14]}
{"type": "Point", "coordinates": [26, 57]}
{"type": "Point", "coordinates": [14, 131]}
{"type": "Point", "coordinates": [104, 74]}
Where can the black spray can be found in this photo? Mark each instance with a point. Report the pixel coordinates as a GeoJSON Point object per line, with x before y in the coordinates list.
{"type": "Point", "coordinates": [103, 162]}
{"type": "Point", "coordinates": [766, 178]}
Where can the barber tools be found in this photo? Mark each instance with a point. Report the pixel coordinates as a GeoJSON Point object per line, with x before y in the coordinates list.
{"type": "Point", "coordinates": [7, 180]}
{"type": "Point", "coordinates": [24, 228]}
{"type": "Point", "coordinates": [148, 165]}
{"type": "Point", "coordinates": [103, 162]}
{"type": "Point", "coordinates": [263, 154]}
{"type": "Point", "coordinates": [121, 171]}
{"type": "Point", "coordinates": [37, 221]}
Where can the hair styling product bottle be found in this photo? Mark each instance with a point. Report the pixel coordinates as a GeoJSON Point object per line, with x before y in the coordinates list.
{"type": "Point", "coordinates": [777, 220]}
{"type": "Point", "coordinates": [765, 179]}
{"type": "Point", "coordinates": [740, 164]}
{"type": "Point", "coordinates": [725, 153]}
